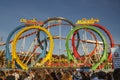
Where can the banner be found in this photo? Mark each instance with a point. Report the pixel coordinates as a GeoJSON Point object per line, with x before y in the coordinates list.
{"type": "Point", "coordinates": [116, 57]}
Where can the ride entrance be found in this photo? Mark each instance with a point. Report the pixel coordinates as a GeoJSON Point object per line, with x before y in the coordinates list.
{"type": "Point", "coordinates": [59, 43]}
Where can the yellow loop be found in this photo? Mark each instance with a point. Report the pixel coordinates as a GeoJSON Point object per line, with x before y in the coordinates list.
{"type": "Point", "coordinates": [14, 53]}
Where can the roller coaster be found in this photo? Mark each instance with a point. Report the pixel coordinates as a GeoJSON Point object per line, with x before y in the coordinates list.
{"type": "Point", "coordinates": [58, 42]}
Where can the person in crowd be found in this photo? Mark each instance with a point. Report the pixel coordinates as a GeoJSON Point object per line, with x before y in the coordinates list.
{"type": "Point", "coordinates": [23, 75]}
{"type": "Point", "coordinates": [109, 76]}
{"type": "Point", "coordinates": [53, 74]}
{"type": "Point", "coordinates": [16, 74]}
{"type": "Point", "coordinates": [2, 75]}
{"type": "Point", "coordinates": [38, 75]}
{"type": "Point", "coordinates": [94, 76]}
{"type": "Point", "coordinates": [102, 75]}
{"type": "Point", "coordinates": [31, 75]}
{"type": "Point", "coordinates": [77, 75]}
{"type": "Point", "coordinates": [48, 75]}
{"type": "Point", "coordinates": [59, 75]}
{"type": "Point", "coordinates": [10, 75]}
{"type": "Point", "coordinates": [66, 76]}
{"type": "Point", "coordinates": [116, 74]}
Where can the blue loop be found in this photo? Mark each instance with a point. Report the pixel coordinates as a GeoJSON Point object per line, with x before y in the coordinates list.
{"type": "Point", "coordinates": [8, 53]}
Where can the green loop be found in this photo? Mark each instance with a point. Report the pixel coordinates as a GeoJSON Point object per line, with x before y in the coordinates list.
{"type": "Point", "coordinates": [104, 55]}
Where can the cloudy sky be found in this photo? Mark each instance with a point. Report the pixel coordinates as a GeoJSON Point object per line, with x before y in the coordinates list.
{"type": "Point", "coordinates": [107, 11]}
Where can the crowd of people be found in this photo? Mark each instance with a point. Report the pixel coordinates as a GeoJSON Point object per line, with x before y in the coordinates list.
{"type": "Point", "coordinates": [59, 74]}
